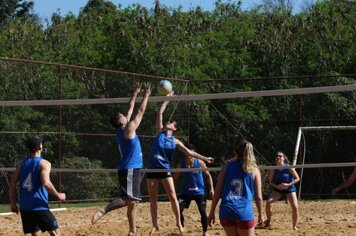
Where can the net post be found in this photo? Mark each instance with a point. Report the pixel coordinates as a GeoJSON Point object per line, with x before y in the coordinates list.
{"type": "Point", "coordinates": [297, 146]}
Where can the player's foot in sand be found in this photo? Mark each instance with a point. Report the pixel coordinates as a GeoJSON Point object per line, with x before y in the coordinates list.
{"type": "Point", "coordinates": [205, 234]}
{"type": "Point", "coordinates": [153, 230]}
{"type": "Point", "coordinates": [181, 229]}
{"type": "Point", "coordinates": [267, 223]}
{"type": "Point", "coordinates": [97, 216]}
{"type": "Point", "coordinates": [295, 228]}
{"type": "Point", "coordinates": [260, 226]}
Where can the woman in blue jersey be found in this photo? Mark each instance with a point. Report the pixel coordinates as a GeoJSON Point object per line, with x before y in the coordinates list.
{"type": "Point", "coordinates": [238, 183]}
{"type": "Point", "coordinates": [193, 188]}
{"type": "Point", "coordinates": [35, 184]}
{"type": "Point", "coordinates": [282, 181]}
{"type": "Point", "coordinates": [161, 155]}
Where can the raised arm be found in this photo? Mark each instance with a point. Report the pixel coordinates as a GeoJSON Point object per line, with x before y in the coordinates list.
{"type": "Point", "coordinates": [45, 168]}
{"type": "Point", "coordinates": [208, 179]}
{"type": "Point", "coordinates": [159, 117]}
{"type": "Point", "coordinates": [12, 189]}
{"type": "Point", "coordinates": [135, 122]}
{"type": "Point", "coordinates": [130, 106]}
{"type": "Point", "coordinates": [186, 151]}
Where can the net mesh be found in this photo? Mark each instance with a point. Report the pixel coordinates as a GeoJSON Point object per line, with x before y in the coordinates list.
{"type": "Point", "coordinates": [80, 136]}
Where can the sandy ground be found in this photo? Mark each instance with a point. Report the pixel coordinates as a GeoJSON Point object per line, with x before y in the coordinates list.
{"type": "Point", "coordinates": [316, 218]}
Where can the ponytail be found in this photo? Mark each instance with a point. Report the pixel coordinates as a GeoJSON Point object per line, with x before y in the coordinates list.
{"type": "Point", "coordinates": [245, 153]}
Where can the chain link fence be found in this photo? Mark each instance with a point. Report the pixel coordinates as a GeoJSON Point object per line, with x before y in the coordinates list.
{"type": "Point", "coordinates": [79, 137]}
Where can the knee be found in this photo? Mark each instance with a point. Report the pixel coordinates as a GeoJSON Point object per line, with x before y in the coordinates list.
{"type": "Point", "coordinates": [132, 204]}
{"type": "Point", "coordinates": [269, 203]}
{"type": "Point", "coordinates": [295, 208]}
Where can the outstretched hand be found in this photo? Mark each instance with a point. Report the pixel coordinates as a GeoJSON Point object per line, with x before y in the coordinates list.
{"type": "Point", "coordinates": [209, 160]}
{"type": "Point", "coordinates": [147, 88]}
{"type": "Point", "coordinates": [136, 88]}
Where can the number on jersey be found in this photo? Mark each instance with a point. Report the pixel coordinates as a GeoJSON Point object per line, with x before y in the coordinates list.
{"type": "Point", "coordinates": [27, 184]}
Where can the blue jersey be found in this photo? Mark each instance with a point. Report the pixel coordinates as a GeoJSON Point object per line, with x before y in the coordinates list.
{"type": "Point", "coordinates": [33, 195]}
{"type": "Point", "coordinates": [284, 176]}
{"type": "Point", "coordinates": [130, 151]}
{"type": "Point", "coordinates": [162, 151]}
{"type": "Point", "coordinates": [193, 182]}
{"type": "Point", "coordinates": [237, 193]}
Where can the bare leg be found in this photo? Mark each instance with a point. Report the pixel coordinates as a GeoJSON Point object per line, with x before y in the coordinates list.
{"type": "Point", "coordinates": [230, 231]}
{"type": "Point", "coordinates": [274, 196]}
{"type": "Point", "coordinates": [38, 233]}
{"type": "Point", "coordinates": [168, 185]}
{"type": "Point", "coordinates": [52, 233]}
{"type": "Point", "coordinates": [292, 198]}
{"type": "Point", "coordinates": [131, 215]}
{"type": "Point", "coordinates": [152, 186]}
{"type": "Point", "coordinates": [115, 204]}
{"type": "Point", "coordinates": [246, 232]}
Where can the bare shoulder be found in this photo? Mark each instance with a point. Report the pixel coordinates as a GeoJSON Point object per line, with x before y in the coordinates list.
{"type": "Point", "coordinates": [256, 171]}
{"type": "Point", "coordinates": [202, 163]}
{"type": "Point", "coordinates": [178, 142]}
{"type": "Point", "coordinates": [44, 164]}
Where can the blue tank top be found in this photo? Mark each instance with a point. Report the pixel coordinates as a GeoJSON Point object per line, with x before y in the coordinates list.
{"type": "Point", "coordinates": [130, 151]}
{"type": "Point", "coordinates": [284, 176]}
{"type": "Point", "coordinates": [237, 193]}
{"type": "Point", "coordinates": [162, 151]}
{"type": "Point", "coordinates": [33, 195]}
{"type": "Point", "coordinates": [193, 182]}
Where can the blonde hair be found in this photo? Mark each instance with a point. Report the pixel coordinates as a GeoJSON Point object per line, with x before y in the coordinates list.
{"type": "Point", "coordinates": [245, 153]}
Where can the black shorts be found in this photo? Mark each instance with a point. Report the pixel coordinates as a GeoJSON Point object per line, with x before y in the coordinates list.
{"type": "Point", "coordinates": [130, 183]}
{"type": "Point", "coordinates": [185, 200]}
{"type": "Point", "coordinates": [284, 192]}
{"type": "Point", "coordinates": [33, 221]}
{"type": "Point", "coordinates": [158, 175]}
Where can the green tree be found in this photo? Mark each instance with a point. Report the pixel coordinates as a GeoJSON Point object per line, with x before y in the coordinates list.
{"type": "Point", "coordinates": [10, 9]}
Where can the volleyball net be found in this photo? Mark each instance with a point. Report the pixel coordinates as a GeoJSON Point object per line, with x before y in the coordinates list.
{"type": "Point", "coordinates": [70, 107]}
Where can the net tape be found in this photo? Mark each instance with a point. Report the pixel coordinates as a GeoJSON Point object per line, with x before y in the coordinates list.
{"type": "Point", "coordinates": [263, 93]}
{"type": "Point", "coordinates": [305, 166]}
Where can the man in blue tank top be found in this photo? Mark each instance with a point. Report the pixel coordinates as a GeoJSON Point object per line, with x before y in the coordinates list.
{"type": "Point", "coordinates": [129, 147]}
{"type": "Point", "coordinates": [35, 184]}
{"type": "Point", "coordinates": [193, 188]}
